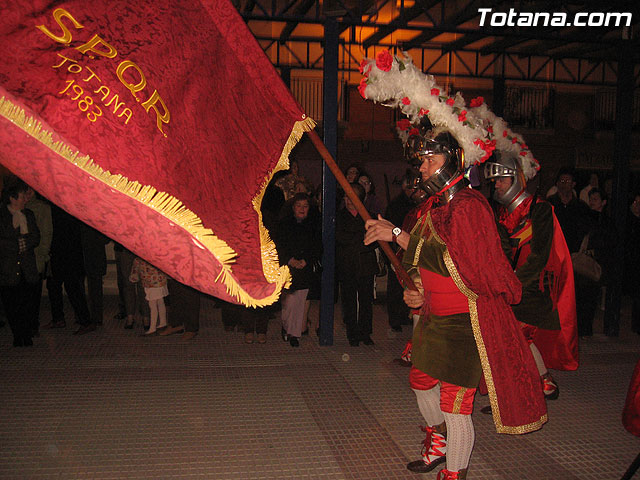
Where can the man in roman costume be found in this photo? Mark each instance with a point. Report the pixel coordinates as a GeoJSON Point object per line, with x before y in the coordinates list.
{"type": "Point", "coordinates": [468, 332]}
{"type": "Point", "coordinates": [538, 253]}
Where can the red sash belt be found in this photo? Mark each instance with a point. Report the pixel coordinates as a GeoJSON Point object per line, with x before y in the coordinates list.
{"type": "Point", "coordinates": [443, 296]}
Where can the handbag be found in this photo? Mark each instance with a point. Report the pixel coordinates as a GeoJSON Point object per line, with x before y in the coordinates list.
{"type": "Point", "coordinates": [584, 264]}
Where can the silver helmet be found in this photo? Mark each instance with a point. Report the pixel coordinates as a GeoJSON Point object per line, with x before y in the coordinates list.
{"type": "Point", "coordinates": [433, 143]}
{"type": "Point", "coordinates": [502, 165]}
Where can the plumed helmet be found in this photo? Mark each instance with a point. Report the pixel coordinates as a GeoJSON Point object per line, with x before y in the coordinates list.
{"type": "Point", "coordinates": [502, 165]}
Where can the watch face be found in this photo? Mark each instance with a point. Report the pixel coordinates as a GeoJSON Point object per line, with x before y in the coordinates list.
{"type": "Point", "coordinates": [396, 231]}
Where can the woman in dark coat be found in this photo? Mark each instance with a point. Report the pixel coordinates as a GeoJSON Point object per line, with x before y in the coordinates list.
{"type": "Point", "coordinates": [19, 236]}
{"type": "Point", "coordinates": [299, 245]}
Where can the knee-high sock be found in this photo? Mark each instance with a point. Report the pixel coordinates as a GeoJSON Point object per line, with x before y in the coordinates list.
{"type": "Point", "coordinates": [460, 438]}
{"type": "Point", "coordinates": [429, 405]}
{"type": "Point", "coordinates": [162, 313]}
{"type": "Point", "coordinates": [153, 315]}
{"type": "Point", "coordinates": [542, 369]}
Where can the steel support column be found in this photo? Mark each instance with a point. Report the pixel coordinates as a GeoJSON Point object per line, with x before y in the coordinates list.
{"type": "Point", "coordinates": [330, 133]}
{"type": "Point", "coordinates": [621, 160]}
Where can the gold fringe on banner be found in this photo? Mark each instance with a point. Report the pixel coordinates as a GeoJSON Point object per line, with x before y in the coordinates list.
{"type": "Point", "coordinates": [172, 208]}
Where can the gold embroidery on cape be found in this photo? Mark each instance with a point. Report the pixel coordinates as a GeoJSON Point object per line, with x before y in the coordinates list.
{"type": "Point", "coordinates": [173, 209]}
{"type": "Point", "coordinates": [482, 350]}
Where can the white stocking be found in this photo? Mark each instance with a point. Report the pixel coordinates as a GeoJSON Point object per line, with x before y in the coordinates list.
{"type": "Point", "coordinates": [153, 315]}
{"type": "Point", "coordinates": [542, 369]}
{"type": "Point", "coordinates": [162, 313]}
{"type": "Point", "coordinates": [460, 438]}
{"type": "Point", "coordinates": [429, 405]}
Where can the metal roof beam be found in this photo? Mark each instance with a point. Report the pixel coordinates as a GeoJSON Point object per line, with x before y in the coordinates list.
{"type": "Point", "coordinates": [288, 29]}
{"type": "Point", "coordinates": [400, 21]}
{"type": "Point", "coordinates": [461, 16]}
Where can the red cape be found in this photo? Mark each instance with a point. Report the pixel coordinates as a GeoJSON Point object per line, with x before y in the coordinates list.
{"type": "Point", "coordinates": [482, 272]}
{"type": "Point", "coordinates": [631, 411]}
{"type": "Point", "coordinates": [559, 348]}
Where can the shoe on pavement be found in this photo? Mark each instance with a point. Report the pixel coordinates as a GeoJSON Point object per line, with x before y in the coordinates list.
{"type": "Point", "coordinates": [550, 387]}
{"type": "Point", "coordinates": [171, 330]}
{"type": "Point", "coordinates": [262, 338]}
{"type": "Point", "coordinates": [187, 336]}
{"type": "Point", "coordinates": [55, 325]}
{"type": "Point", "coordinates": [83, 329]}
{"type": "Point", "coordinates": [248, 337]}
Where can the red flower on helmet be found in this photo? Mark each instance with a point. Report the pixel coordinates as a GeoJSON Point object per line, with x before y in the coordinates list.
{"type": "Point", "coordinates": [476, 102]}
{"type": "Point", "coordinates": [504, 133]}
{"type": "Point", "coordinates": [463, 116]}
{"type": "Point", "coordinates": [423, 112]}
{"type": "Point", "coordinates": [490, 129]}
{"type": "Point", "coordinates": [384, 60]}
{"type": "Point", "coordinates": [403, 124]}
{"type": "Point", "coordinates": [362, 87]}
{"type": "Point", "coordinates": [435, 91]}
{"type": "Point", "coordinates": [406, 101]}
{"type": "Point", "coordinates": [363, 66]}
{"type": "Point", "coordinates": [414, 131]}
{"type": "Point", "coordinates": [450, 101]}
{"type": "Point", "coordinates": [514, 140]}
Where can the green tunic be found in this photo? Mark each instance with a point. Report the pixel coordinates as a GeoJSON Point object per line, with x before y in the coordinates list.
{"type": "Point", "coordinates": [443, 346]}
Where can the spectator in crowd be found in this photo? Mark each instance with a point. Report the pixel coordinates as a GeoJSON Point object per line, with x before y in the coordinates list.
{"type": "Point", "coordinates": [632, 261]}
{"type": "Point", "coordinates": [42, 212]}
{"type": "Point", "coordinates": [95, 268]}
{"type": "Point", "coordinates": [154, 283]}
{"type": "Point", "coordinates": [572, 213]}
{"type": "Point", "coordinates": [356, 268]}
{"type": "Point", "coordinates": [184, 312]}
{"type": "Point", "coordinates": [299, 246]}
{"type": "Point", "coordinates": [67, 269]}
{"type": "Point", "coordinates": [371, 202]}
{"type": "Point", "coordinates": [593, 183]}
{"type": "Point", "coordinates": [131, 296]}
{"type": "Point", "coordinates": [599, 240]}
{"type": "Point", "coordinates": [352, 173]}
{"type": "Point", "coordinates": [294, 181]}
{"type": "Point", "coordinates": [19, 237]}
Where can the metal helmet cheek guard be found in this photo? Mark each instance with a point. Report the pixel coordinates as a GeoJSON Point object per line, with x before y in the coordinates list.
{"type": "Point", "coordinates": [500, 166]}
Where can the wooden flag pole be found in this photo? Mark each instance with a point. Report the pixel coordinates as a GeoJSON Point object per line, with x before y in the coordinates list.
{"type": "Point", "coordinates": [404, 277]}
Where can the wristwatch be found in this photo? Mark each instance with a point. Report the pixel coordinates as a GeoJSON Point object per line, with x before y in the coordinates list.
{"type": "Point", "coordinates": [395, 232]}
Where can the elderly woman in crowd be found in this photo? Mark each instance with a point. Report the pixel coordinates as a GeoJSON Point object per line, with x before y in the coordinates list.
{"type": "Point", "coordinates": [19, 236]}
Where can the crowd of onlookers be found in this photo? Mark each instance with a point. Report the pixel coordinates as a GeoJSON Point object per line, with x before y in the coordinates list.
{"type": "Point", "coordinates": [586, 220]}
{"type": "Point", "coordinates": [42, 245]}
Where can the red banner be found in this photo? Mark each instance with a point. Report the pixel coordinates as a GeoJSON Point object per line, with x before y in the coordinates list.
{"type": "Point", "coordinates": [157, 122]}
